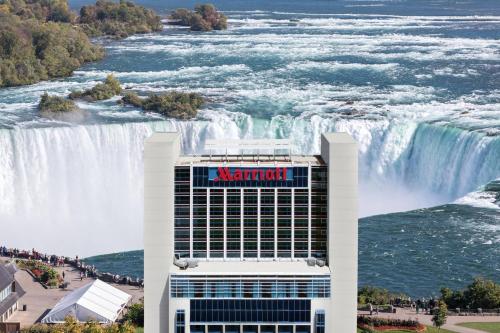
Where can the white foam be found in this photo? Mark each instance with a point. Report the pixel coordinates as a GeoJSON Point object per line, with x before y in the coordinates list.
{"type": "Point", "coordinates": [183, 71]}
{"type": "Point", "coordinates": [479, 199]}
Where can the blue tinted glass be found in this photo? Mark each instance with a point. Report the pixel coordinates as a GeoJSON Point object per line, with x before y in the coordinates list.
{"type": "Point", "coordinates": [232, 329]}
{"type": "Point", "coordinates": [215, 329]}
{"type": "Point", "coordinates": [251, 310]}
{"type": "Point", "coordinates": [302, 329]}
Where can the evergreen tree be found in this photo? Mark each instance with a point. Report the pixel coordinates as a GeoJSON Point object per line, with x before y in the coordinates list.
{"type": "Point", "coordinates": [440, 314]}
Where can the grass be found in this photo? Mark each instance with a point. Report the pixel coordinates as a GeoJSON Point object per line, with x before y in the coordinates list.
{"type": "Point", "coordinates": [487, 327]}
{"type": "Point", "coordinates": [430, 329]}
{"type": "Point", "coordinates": [139, 330]}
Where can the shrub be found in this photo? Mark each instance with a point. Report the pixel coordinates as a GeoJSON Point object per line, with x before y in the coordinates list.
{"type": "Point", "coordinates": [135, 314]}
{"type": "Point", "coordinates": [132, 99]}
{"type": "Point", "coordinates": [48, 275]}
{"type": "Point", "coordinates": [37, 273]}
{"type": "Point", "coordinates": [376, 296]}
{"type": "Point", "coordinates": [210, 14]}
{"type": "Point", "coordinates": [182, 16]}
{"type": "Point", "coordinates": [172, 104]}
{"type": "Point", "coordinates": [377, 322]}
{"type": "Point", "coordinates": [118, 19]}
{"type": "Point", "coordinates": [70, 325]}
{"type": "Point", "coordinates": [55, 104]}
{"type": "Point", "coordinates": [439, 317]}
{"type": "Point", "coordinates": [204, 18]}
{"type": "Point", "coordinates": [111, 87]}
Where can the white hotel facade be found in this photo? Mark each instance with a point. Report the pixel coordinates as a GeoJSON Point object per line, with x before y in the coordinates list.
{"type": "Point", "coordinates": [250, 243]}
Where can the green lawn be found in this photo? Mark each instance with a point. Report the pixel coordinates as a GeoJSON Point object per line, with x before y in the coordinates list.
{"type": "Point", "coordinates": [487, 327]}
{"type": "Point", "coordinates": [139, 330]}
{"type": "Point", "coordinates": [430, 329]}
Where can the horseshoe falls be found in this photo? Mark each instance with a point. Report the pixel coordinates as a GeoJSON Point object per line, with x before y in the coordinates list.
{"type": "Point", "coordinates": [58, 180]}
{"type": "Point", "coordinates": [418, 89]}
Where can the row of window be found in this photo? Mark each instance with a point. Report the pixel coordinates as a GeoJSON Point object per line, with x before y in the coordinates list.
{"type": "Point", "coordinates": [236, 224]}
{"type": "Point", "coordinates": [6, 292]}
{"type": "Point", "coordinates": [244, 288]}
{"type": "Point", "coordinates": [250, 328]}
{"type": "Point", "coordinates": [252, 310]}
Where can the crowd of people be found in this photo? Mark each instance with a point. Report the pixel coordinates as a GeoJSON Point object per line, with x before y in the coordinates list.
{"type": "Point", "coordinates": [53, 260]}
{"type": "Point", "coordinates": [420, 306]}
{"type": "Point", "coordinates": [85, 271]}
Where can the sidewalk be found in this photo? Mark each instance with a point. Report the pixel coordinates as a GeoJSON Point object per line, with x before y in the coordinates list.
{"type": "Point", "coordinates": [451, 322]}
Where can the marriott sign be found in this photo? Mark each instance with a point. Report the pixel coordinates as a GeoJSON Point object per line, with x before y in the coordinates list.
{"type": "Point", "coordinates": [238, 174]}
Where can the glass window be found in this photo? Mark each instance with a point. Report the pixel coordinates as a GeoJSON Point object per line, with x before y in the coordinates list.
{"type": "Point", "coordinates": [320, 321]}
{"type": "Point", "coordinates": [232, 329]}
{"type": "Point", "coordinates": [180, 321]}
{"type": "Point", "coordinates": [250, 329]}
{"type": "Point", "coordinates": [215, 329]}
{"type": "Point", "coordinates": [302, 329]}
{"type": "Point", "coordinates": [267, 329]}
{"type": "Point", "coordinates": [250, 310]}
{"type": "Point", "coordinates": [197, 328]}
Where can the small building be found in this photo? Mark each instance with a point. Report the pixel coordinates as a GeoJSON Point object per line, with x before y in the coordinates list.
{"type": "Point", "coordinates": [96, 301]}
{"type": "Point", "coordinates": [10, 291]}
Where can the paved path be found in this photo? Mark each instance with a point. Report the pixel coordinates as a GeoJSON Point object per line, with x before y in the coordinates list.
{"type": "Point", "coordinates": [40, 300]}
{"type": "Point", "coordinates": [451, 322]}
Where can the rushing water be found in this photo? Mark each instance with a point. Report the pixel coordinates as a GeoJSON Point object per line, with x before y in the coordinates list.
{"type": "Point", "coordinates": [417, 83]}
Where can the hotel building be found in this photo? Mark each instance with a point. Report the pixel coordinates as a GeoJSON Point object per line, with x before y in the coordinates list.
{"type": "Point", "coordinates": [250, 243]}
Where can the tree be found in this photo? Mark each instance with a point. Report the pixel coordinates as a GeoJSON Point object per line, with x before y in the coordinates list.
{"type": "Point", "coordinates": [453, 298]}
{"type": "Point", "coordinates": [377, 296]}
{"type": "Point", "coordinates": [55, 104]}
{"type": "Point", "coordinates": [182, 16]}
{"type": "Point", "coordinates": [199, 24]}
{"type": "Point", "coordinates": [135, 314]}
{"type": "Point", "coordinates": [101, 91]}
{"type": "Point", "coordinates": [118, 19]}
{"type": "Point", "coordinates": [205, 17]}
{"type": "Point", "coordinates": [440, 314]}
{"type": "Point", "coordinates": [483, 294]}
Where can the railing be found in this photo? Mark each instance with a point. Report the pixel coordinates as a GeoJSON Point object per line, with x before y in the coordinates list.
{"type": "Point", "coordinates": [191, 288]}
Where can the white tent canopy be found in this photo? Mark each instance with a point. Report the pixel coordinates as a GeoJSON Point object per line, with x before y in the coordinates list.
{"type": "Point", "coordinates": [96, 301]}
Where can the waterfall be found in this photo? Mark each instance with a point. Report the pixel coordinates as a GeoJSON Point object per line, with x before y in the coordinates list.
{"type": "Point", "coordinates": [80, 187]}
